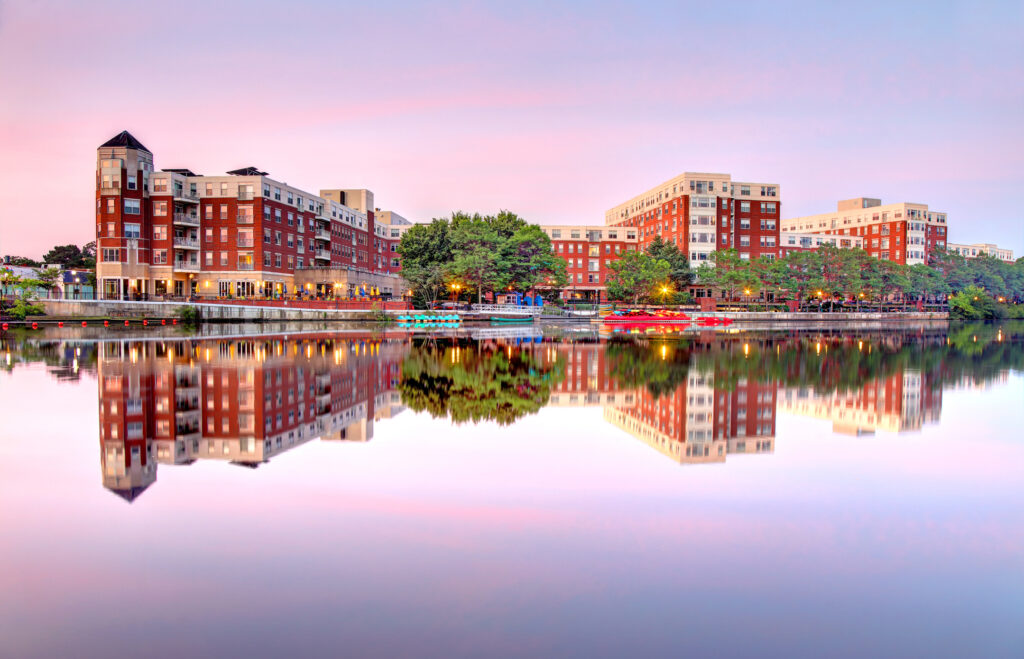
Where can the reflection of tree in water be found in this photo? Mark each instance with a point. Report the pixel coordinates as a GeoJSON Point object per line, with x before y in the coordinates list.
{"type": "Point", "coordinates": [976, 351]}
{"type": "Point", "coordinates": [658, 366]}
{"type": "Point", "coordinates": [478, 382]}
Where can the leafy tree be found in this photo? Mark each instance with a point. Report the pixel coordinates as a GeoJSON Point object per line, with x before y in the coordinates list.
{"type": "Point", "coordinates": [47, 279]}
{"type": "Point", "coordinates": [727, 271]}
{"type": "Point", "coordinates": [680, 273]}
{"type": "Point", "coordinates": [529, 260]}
{"type": "Point", "coordinates": [635, 275]}
{"type": "Point", "coordinates": [926, 283]}
{"type": "Point", "coordinates": [798, 274]}
{"type": "Point", "coordinates": [426, 255]}
{"type": "Point", "coordinates": [22, 261]}
{"type": "Point", "coordinates": [67, 256]}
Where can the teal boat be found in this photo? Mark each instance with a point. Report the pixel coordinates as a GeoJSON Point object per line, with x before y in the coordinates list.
{"type": "Point", "coordinates": [526, 319]}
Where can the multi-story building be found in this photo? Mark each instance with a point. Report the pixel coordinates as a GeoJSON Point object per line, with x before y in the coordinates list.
{"type": "Point", "coordinates": [978, 249]}
{"type": "Point", "coordinates": [395, 226]}
{"type": "Point", "coordinates": [902, 232]}
{"type": "Point", "coordinates": [792, 241]}
{"type": "Point", "coordinates": [243, 234]}
{"type": "Point", "coordinates": [588, 251]}
{"type": "Point", "coordinates": [701, 213]}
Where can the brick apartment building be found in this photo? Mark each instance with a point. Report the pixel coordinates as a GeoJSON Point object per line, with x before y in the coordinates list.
{"type": "Point", "coordinates": [903, 232]}
{"type": "Point", "coordinates": [173, 232]}
{"type": "Point", "coordinates": [701, 213]}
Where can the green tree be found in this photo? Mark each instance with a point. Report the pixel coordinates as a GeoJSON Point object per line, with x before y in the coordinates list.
{"type": "Point", "coordinates": [530, 262]}
{"type": "Point", "coordinates": [726, 270]}
{"type": "Point", "coordinates": [635, 276]}
{"type": "Point", "coordinates": [426, 255]}
{"type": "Point", "coordinates": [680, 273]}
{"type": "Point", "coordinates": [66, 256]}
{"type": "Point", "coordinates": [47, 279]}
{"type": "Point", "coordinates": [798, 274]}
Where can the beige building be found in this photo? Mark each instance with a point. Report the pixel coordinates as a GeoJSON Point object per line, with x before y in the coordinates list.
{"type": "Point", "coordinates": [977, 249]}
{"type": "Point", "coordinates": [903, 232]}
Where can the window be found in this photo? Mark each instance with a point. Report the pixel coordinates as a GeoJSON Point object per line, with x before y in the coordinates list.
{"type": "Point", "coordinates": [744, 206]}
{"type": "Point", "coordinates": [223, 258]}
{"type": "Point", "coordinates": [131, 207]}
{"type": "Point", "coordinates": [132, 182]}
{"type": "Point", "coordinates": [160, 256]}
{"type": "Point", "coordinates": [208, 212]}
{"type": "Point", "coordinates": [744, 241]}
{"type": "Point", "coordinates": [209, 235]}
{"type": "Point", "coordinates": [223, 235]}
{"type": "Point", "coordinates": [131, 230]}
{"type": "Point", "coordinates": [111, 206]}
{"type": "Point", "coordinates": [223, 211]}
{"type": "Point", "coordinates": [160, 232]}
{"type": "Point", "coordinates": [111, 255]}
{"type": "Point", "coordinates": [209, 258]}
{"type": "Point", "coordinates": [160, 208]}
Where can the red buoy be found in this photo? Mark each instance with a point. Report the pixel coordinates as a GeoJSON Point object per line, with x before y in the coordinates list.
{"type": "Point", "coordinates": [35, 326]}
{"type": "Point", "coordinates": [174, 321]}
{"type": "Point", "coordinates": [126, 323]}
{"type": "Point", "coordinates": [145, 322]}
{"type": "Point", "coordinates": [163, 321]}
{"type": "Point", "coordinates": [84, 324]}
{"type": "Point", "coordinates": [5, 326]}
{"type": "Point", "coordinates": [106, 323]}
{"type": "Point", "coordinates": [60, 323]}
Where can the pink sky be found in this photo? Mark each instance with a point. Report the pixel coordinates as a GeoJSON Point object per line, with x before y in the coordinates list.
{"type": "Point", "coordinates": [555, 110]}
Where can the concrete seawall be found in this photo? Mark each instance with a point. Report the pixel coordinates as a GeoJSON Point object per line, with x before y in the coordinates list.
{"type": "Point", "coordinates": [210, 312]}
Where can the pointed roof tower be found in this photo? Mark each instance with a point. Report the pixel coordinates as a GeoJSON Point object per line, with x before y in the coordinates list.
{"type": "Point", "coordinates": [125, 139]}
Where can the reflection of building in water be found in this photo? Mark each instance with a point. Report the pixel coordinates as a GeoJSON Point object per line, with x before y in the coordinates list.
{"type": "Point", "coordinates": [900, 402]}
{"type": "Point", "coordinates": [242, 400]}
{"type": "Point", "coordinates": [698, 421]}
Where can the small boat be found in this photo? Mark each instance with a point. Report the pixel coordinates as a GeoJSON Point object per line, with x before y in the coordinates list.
{"type": "Point", "coordinates": [523, 319]}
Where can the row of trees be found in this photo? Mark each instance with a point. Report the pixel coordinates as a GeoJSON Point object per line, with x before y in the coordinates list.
{"type": "Point", "coordinates": [827, 274]}
{"type": "Point", "coordinates": [478, 254]}
{"type": "Point", "coordinates": [68, 257]}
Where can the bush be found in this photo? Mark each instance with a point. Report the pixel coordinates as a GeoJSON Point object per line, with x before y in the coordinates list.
{"type": "Point", "coordinates": [190, 315]}
{"type": "Point", "coordinates": [22, 308]}
{"type": "Point", "coordinates": [974, 303]}
{"type": "Point", "coordinates": [378, 314]}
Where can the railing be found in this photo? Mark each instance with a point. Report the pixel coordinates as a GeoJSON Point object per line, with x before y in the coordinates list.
{"type": "Point", "coordinates": [186, 195]}
{"type": "Point", "coordinates": [507, 309]}
{"type": "Point", "coordinates": [323, 235]}
{"type": "Point", "coordinates": [244, 218]}
{"type": "Point", "coordinates": [181, 241]}
{"type": "Point", "coordinates": [245, 195]}
{"type": "Point", "coordinates": [186, 218]}
{"type": "Point", "coordinates": [110, 188]}
{"type": "Point", "coordinates": [323, 254]}
{"type": "Point", "coordinates": [245, 242]}
{"type": "Point", "coordinates": [187, 266]}
{"type": "Point", "coordinates": [245, 266]}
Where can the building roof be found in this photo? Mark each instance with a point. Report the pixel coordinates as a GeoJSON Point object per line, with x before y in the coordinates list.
{"type": "Point", "coordinates": [247, 171]}
{"type": "Point", "coordinates": [130, 494]}
{"type": "Point", "coordinates": [125, 139]}
{"type": "Point", "coordinates": [182, 170]}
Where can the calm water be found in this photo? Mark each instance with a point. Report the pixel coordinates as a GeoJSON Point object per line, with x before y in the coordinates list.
{"type": "Point", "coordinates": [384, 494]}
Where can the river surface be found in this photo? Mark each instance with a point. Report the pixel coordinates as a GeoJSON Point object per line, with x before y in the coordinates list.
{"type": "Point", "coordinates": [511, 492]}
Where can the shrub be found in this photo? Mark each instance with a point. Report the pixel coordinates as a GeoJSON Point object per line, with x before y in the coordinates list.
{"type": "Point", "coordinates": [23, 308]}
{"type": "Point", "coordinates": [190, 315]}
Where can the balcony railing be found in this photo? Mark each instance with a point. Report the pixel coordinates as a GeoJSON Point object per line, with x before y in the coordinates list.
{"type": "Point", "coordinates": [323, 234]}
{"type": "Point", "coordinates": [244, 218]}
{"type": "Point", "coordinates": [187, 266]}
{"type": "Point", "coordinates": [245, 242]}
{"type": "Point", "coordinates": [246, 195]}
{"type": "Point", "coordinates": [186, 195]}
{"type": "Point", "coordinates": [186, 218]}
{"type": "Point", "coordinates": [323, 254]}
{"type": "Point", "coordinates": [243, 265]}
{"type": "Point", "coordinates": [188, 243]}
{"type": "Point", "coordinates": [110, 188]}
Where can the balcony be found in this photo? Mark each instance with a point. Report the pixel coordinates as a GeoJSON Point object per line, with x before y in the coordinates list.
{"type": "Point", "coordinates": [187, 219]}
{"type": "Point", "coordinates": [246, 195]}
{"type": "Point", "coordinates": [320, 213]}
{"type": "Point", "coordinates": [185, 242]}
{"type": "Point", "coordinates": [245, 242]}
{"type": "Point", "coordinates": [245, 265]}
{"type": "Point", "coordinates": [244, 218]}
{"type": "Point", "coordinates": [187, 266]}
{"type": "Point", "coordinates": [322, 234]}
{"type": "Point", "coordinates": [186, 196]}
{"type": "Point", "coordinates": [322, 254]}
{"type": "Point", "coordinates": [111, 188]}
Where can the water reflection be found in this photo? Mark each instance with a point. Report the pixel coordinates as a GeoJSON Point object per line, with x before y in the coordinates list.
{"type": "Point", "coordinates": [697, 399]}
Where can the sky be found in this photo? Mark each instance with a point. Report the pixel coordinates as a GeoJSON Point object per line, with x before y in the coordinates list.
{"type": "Point", "coordinates": [555, 110]}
